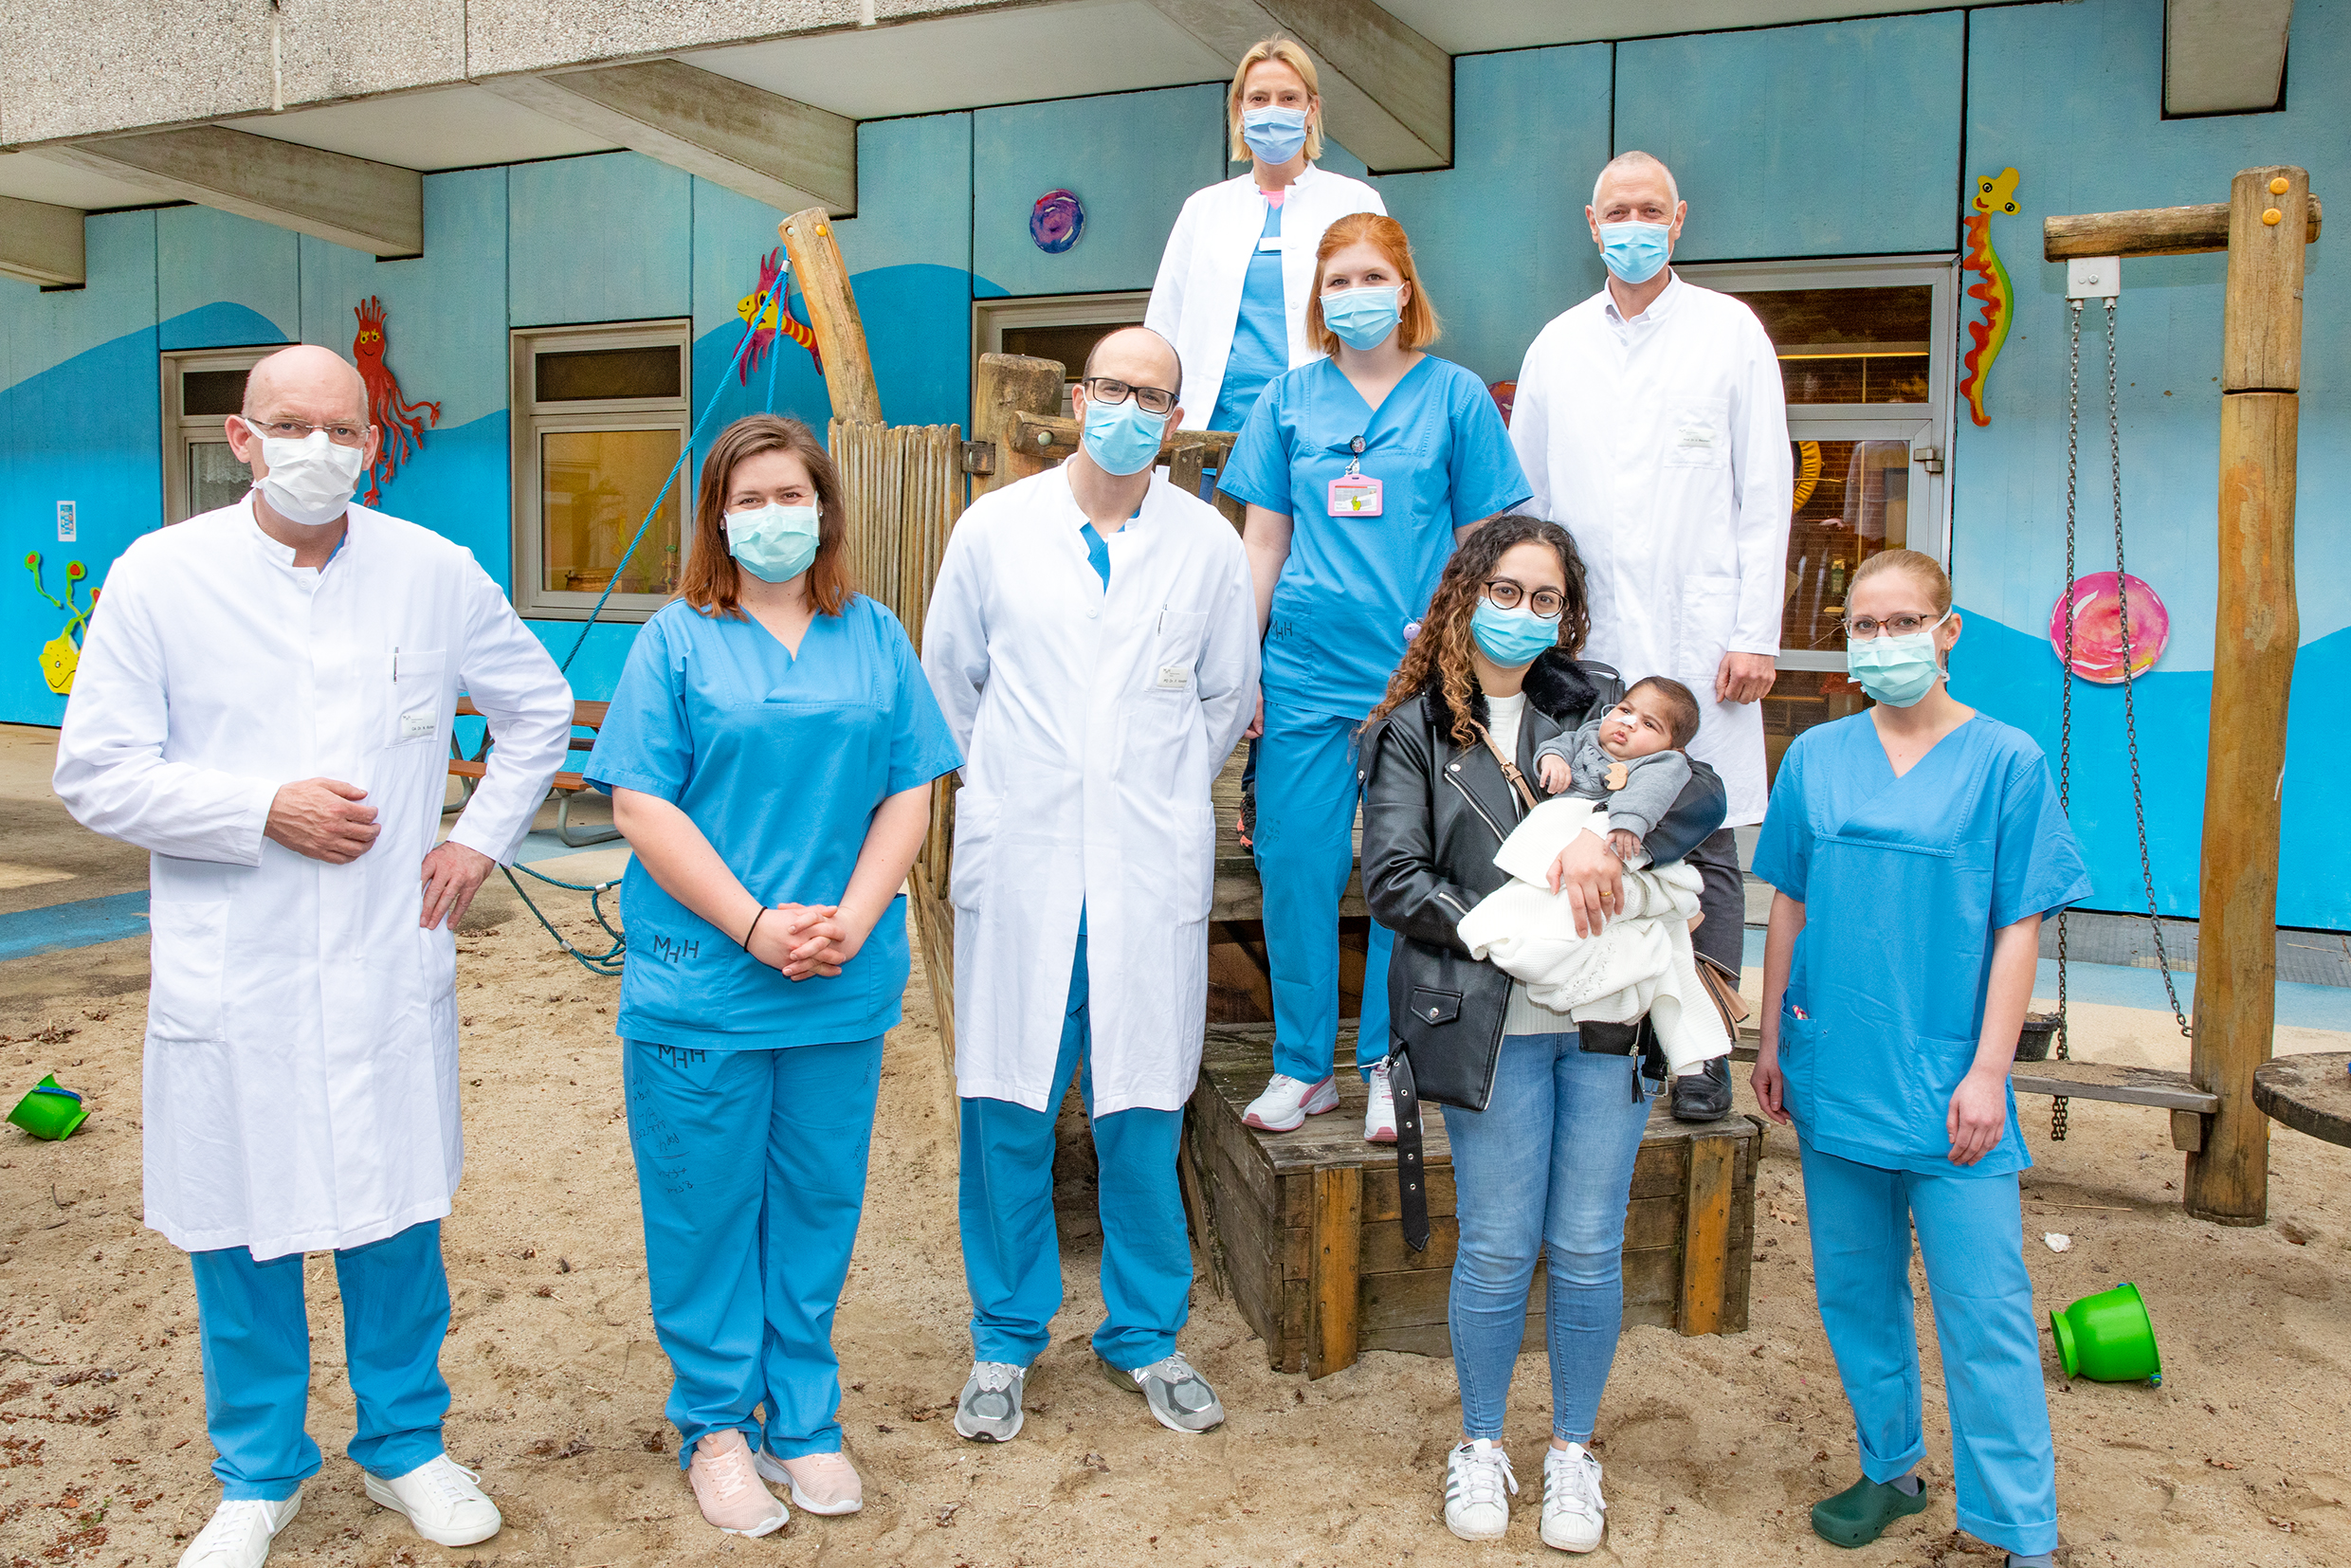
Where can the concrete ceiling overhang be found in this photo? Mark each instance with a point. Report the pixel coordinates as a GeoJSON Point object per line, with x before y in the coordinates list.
{"type": "Point", "coordinates": [2224, 57]}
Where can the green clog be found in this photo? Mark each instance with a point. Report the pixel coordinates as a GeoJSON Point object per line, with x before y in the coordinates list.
{"type": "Point", "coordinates": [1860, 1513]}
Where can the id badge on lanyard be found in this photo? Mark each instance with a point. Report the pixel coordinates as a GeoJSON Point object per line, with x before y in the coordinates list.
{"type": "Point", "coordinates": [1355, 493]}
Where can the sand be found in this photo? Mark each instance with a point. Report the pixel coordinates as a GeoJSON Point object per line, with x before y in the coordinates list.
{"type": "Point", "coordinates": [1714, 1446]}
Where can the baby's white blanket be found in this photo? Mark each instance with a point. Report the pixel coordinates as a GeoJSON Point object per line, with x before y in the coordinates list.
{"type": "Point", "coordinates": [1640, 963]}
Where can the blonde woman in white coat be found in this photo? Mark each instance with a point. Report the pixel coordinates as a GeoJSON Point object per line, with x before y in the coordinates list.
{"type": "Point", "coordinates": [1238, 270]}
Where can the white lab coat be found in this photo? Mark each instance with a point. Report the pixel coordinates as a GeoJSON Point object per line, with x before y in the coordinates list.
{"type": "Point", "coordinates": [1662, 444]}
{"type": "Point", "coordinates": [1092, 724]}
{"type": "Point", "coordinates": [302, 1029]}
{"type": "Point", "coordinates": [1196, 302]}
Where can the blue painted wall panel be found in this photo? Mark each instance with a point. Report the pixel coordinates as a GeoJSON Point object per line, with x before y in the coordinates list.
{"type": "Point", "coordinates": [1499, 238]}
{"type": "Point", "coordinates": [1130, 157]}
{"type": "Point", "coordinates": [207, 257]}
{"type": "Point", "coordinates": [607, 238]}
{"type": "Point", "coordinates": [1832, 139]}
{"type": "Point", "coordinates": [909, 250]}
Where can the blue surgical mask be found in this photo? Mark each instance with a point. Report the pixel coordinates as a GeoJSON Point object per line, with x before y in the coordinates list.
{"type": "Point", "coordinates": [774, 543]}
{"type": "Point", "coordinates": [1275, 134]}
{"type": "Point", "coordinates": [1363, 316]}
{"type": "Point", "coordinates": [1634, 251]}
{"type": "Point", "coordinates": [1512, 637]}
{"type": "Point", "coordinates": [1896, 671]}
{"type": "Point", "coordinates": [1120, 437]}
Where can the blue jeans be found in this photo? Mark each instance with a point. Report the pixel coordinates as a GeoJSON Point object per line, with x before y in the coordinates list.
{"type": "Point", "coordinates": [256, 1338]}
{"type": "Point", "coordinates": [1545, 1168]}
{"type": "Point", "coordinates": [1307, 788]}
{"type": "Point", "coordinates": [751, 1173]}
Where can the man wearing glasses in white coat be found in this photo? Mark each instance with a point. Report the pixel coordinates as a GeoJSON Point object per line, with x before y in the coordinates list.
{"type": "Point", "coordinates": [1651, 423]}
{"type": "Point", "coordinates": [264, 703]}
{"type": "Point", "coordinates": [1093, 641]}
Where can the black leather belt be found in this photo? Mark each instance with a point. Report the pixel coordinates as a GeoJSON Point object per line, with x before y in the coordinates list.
{"type": "Point", "coordinates": [1411, 1178]}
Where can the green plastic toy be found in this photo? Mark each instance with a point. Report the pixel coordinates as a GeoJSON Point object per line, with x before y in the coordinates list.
{"type": "Point", "coordinates": [50, 1112]}
{"type": "Point", "coordinates": [2107, 1338]}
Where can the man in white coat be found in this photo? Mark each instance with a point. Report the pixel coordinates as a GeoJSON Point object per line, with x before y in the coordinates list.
{"type": "Point", "coordinates": [1651, 423]}
{"type": "Point", "coordinates": [263, 704]}
{"type": "Point", "coordinates": [1093, 640]}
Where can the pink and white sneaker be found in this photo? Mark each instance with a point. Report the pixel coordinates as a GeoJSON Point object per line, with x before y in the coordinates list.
{"type": "Point", "coordinates": [1287, 1102]}
{"type": "Point", "coordinates": [1379, 1111]}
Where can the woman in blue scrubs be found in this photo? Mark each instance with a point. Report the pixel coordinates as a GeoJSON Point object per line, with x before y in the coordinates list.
{"type": "Point", "coordinates": [770, 753]}
{"type": "Point", "coordinates": [1360, 472]}
{"type": "Point", "coordinates": [1914, 849]}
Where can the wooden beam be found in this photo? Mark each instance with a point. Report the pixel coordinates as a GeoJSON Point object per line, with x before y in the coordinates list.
{"type": "Point", "coordinates": [832, 315]}
{"type": "Point", "coordinates": [772, 149]}
{"type": "Point", "coordinates": [1706, 1233]}
{"type": "Point", "coordinates": [2154, 231]}
{"type": "Point", "coordinates": [1386, 91]}
{"type": "Point", "coordinates": [2187, 1131]}
{"type": "Point", "coordinates": [1051, 438]}
{"type": "Point", "coordinates": [1336, 1269]}
{"type": "Point", "coordinates": [1007, 388]}
{"type": "Point", "coordinates": [366, 206]}
{"type": "Point", "coordinates": [2256, 629]}
{"type": "Point", "coordinates": [2114, 1083]}
{"type": "Point", "coordinates": [41, 244]}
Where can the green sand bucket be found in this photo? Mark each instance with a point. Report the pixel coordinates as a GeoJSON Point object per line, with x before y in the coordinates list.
{"type": "Point", "coordinates": [2107, 1338]}
{"type": "Point", "coordinates": [49, 1112]}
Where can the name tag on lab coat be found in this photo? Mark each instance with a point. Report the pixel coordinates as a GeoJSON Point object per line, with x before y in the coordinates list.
{"type": "Point", "coordinates": [419, 722]}
{"type": "Point", "coordinates": [1271, 242]}
{"type": "Point", "coordinates": [1356, 496]}
{"type": "Point", "coordinates": [1695, 439]}
{"type": "Point", "coordinates": [1174, 677]}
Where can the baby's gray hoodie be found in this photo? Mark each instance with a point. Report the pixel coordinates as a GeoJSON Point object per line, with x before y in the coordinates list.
{"type": "Point", "coordinates": [1651, 785]}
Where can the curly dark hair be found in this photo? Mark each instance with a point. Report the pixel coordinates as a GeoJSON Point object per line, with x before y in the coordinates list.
{"type": "Point", "coordinates": [1439, 656]}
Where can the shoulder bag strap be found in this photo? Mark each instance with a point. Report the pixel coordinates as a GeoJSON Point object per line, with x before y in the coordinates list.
{"type": "Point", "coordinates": [1509, 769]}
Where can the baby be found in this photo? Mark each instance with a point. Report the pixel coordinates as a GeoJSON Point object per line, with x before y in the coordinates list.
{"type": "Point", "coordinates": [1631, 756]}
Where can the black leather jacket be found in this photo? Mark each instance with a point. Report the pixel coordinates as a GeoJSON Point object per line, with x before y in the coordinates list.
{"type": "Point", "coordinates": [1433, 814]}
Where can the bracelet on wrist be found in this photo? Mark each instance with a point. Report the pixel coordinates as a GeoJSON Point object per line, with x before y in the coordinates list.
{"type": "Point", "coordinates": [751, 929]}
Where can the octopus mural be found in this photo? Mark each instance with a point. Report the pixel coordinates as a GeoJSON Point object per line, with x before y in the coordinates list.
{"type": "Point", "coordinates": [402, 422]}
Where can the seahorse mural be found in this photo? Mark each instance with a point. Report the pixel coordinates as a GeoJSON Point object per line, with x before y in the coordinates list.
{"type": "Point", "coordinates": [402, 422]}
{"type": "Point", "coordinates": [63, 652]}
{"type": "Point", "coordinates": [777, 315]}
{"type": "Point", "coordinates": [1993, 194]}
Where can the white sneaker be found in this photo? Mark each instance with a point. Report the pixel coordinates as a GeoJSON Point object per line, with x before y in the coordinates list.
{"type": "Point", "coordinates": [441, 1501]}
{"type": "Point", "coordinates": [1571, 1501]}
{"type": "Point", "coordinates": [1379, 1114]}
{"type": "Point", "coordinates": [238, 1533]}
{"type": "Point", "coordinates": [1287, 1102]}
{"type": "Point", "coordinates": [1476, 1506]}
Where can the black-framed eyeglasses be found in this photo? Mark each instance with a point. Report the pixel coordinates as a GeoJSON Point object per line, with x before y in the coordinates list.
{"type": "Point", "coordinates": [1546, 602]}
{"type": "Point", "coordinates": [1865, 628]}
{"type": "Point", "coordinates": [1150, 399]}
{"type": "Point", "coordinates": [294, 429]}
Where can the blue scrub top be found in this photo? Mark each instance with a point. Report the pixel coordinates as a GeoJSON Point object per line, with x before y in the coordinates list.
{"type": "Point", "coordinates": [1440, 450]}
{"type": "Point", "coordinates": [1260, 332]}
{"type": "Point", "coordinates": [781, 763]}
{"type": "Point", "coordinates": [1904, 881]}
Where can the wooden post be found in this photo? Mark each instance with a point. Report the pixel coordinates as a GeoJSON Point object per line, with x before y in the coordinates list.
{"type": "Point", "coordinates": [832, 315]}
{"type": "Point", "coordinates": [2255, 638]}
{"type": "Point", "coordinates": [1008, 386]}
{"type": "Point", "coordinates": [1336, 1269]}
{"type": "Point", "coordinates": [1706, 1234]}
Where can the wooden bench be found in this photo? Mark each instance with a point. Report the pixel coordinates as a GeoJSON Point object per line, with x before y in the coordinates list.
{"type": "Point", "coordinates": [565, 786]}
{"type": "Point", "coordinates": [1306, 1233]}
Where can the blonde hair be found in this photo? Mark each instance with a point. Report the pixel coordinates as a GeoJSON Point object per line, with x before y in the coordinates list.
{"type": "Point", "coordinates": [1284, 52]}
{"type": "Point", "coordinates": [1419, 326]}
{"type": "Point", "coordinates": [1923, 569]}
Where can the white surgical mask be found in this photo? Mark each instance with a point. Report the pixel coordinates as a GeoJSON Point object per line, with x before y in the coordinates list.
{"type": "Point", "coordinates": [310, 482]}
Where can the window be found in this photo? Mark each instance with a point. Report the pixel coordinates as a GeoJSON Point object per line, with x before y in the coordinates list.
{"type": "Point", "coordinates": [1866, 353]}
{"type": "Point", "coordinates": [199, 391]}
{"type": "Point", "coordinates": [601, 418]}
{"type": "Point", "coordinates": [1065, 329]}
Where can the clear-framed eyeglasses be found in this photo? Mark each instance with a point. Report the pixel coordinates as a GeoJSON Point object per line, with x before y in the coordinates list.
{"type": "Point", "coordinates": [1862, 627]}
{"type": "Point", "coordinates": [1150, 399]}
{"type": "Point", "coordinates": [1505, 595]}
{"type": "Point", "coordinates": [295, 429]}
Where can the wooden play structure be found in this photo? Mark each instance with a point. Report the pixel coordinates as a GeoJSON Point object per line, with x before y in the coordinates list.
{"type": "Point", "coordinates": [2269, 219]}
{"type": "Point", "coordinates": [1301, 1229]}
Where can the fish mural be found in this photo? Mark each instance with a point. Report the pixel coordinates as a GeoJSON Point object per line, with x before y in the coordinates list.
{"type": "Point", "coordinates": [1995, 193]}
{"type": "Point", "coordinates": [402, 422]}
{"type": "Point", "coordinates": [776, 317]}
{"type": "Point", "coordinates": [61, 653]}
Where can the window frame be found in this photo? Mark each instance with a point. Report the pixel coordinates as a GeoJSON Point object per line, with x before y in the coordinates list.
{"type": "Point", "coordinates": [182, 430]}
{"type": "Point", "coordinates": [991, 318]}
{"type": "Point", "coordinates": [529, 423]}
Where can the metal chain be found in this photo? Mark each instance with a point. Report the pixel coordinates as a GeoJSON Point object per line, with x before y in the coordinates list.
{"type": "Point", "coordinates": [2057, 1113]}
{"type": "Point", "coordinates": [2130, 714]}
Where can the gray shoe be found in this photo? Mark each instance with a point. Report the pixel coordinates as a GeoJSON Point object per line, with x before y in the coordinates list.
{"type": "Point", "coordinates": [1180, 1397]}
{"type": "Point", "coordinates": [989, 1407]}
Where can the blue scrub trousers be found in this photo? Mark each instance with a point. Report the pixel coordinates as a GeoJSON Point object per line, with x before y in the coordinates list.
{"type": "Point", "coordinates": [1971, 1235]}
{"type": "Point", "coordinates": [256, 1336]}
{"type": "Point", "coordinates": [1308, 790]}
{"type": "Point", "coordinates": [1012, 1253]}
{"type": "Point", "coordinates": [751, 1167]}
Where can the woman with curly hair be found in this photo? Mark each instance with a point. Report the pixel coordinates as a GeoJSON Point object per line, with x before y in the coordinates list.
{"type": "Point", "coordinates": [1542, 1128]}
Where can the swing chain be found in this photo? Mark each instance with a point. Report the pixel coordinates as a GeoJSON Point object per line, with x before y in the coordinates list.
{"type": "Point", "coordinates": [2130, 714]}
{"type": "Point", "coordinates": [2059, 1108]}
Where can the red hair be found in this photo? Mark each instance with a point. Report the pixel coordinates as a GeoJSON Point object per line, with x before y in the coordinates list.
{"type": "Point", "coordinates": [1419, 326]}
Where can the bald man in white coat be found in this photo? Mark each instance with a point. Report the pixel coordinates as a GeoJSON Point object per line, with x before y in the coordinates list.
{"type": "Point", "coordinates": [263, 704]}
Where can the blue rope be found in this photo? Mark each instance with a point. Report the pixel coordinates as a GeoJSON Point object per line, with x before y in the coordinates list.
{"type": "Point", "coordinates": [775, 344]}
